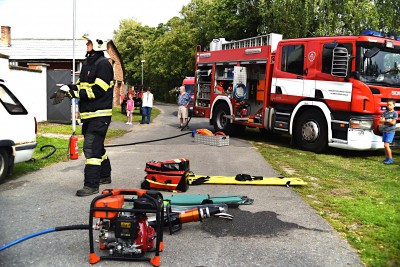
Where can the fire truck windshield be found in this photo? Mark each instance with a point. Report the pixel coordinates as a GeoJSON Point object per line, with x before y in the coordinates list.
{"type": "Point", "coordinates": [189, 88]}
{"type": "Point", "coordinates": [379, 65]}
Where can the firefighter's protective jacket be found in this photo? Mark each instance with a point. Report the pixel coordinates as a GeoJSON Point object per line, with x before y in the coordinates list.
{"type": "Point", "coordinates": [94, 88]}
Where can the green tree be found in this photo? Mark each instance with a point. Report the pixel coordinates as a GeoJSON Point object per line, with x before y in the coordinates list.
{"type": "Point", "coordinates": [388, 15]}
{"type": "Point", "coordinates": [292, 18]}
{"type": "Point", "coordinates": [199, 15]}
{"type": "Point", "coordinates": [129, 39]}
{"type": "Point", "coordinates": [169, 56]}
{"type": "Point", "coordinates": [231, 19]}
{"type": "Point", "coordinates": [358, 15]}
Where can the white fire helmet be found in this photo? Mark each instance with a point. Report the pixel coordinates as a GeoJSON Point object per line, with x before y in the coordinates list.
{"type": "Point", "coordinates": [98, 44]}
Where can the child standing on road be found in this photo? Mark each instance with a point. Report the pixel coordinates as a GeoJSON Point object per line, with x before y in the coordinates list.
{"type": "Point", "coordinates": [388, 119]}
{"type": "Point", "coordinates": [130, 104]}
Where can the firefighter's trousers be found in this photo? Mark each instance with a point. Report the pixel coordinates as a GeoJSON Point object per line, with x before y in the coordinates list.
{"type": "Point", "coordinates": [97, 162]}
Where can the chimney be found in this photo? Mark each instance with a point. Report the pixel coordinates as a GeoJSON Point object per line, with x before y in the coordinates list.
{"type": "Point", "coordinates": [5, 36]}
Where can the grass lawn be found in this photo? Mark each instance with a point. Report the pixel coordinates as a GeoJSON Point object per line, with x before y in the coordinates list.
{"type": "Point", "coordinates": [137, 117]}
{"type": "Point", "coordinates": [354, 191]}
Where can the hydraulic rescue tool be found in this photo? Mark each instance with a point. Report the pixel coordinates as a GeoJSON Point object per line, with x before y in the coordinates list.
{"type": "Point", "coordinates": [177, 215]}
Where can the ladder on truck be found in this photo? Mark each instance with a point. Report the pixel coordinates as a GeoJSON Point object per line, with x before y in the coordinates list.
{"type": "Point", "coordinates": [271, 39]}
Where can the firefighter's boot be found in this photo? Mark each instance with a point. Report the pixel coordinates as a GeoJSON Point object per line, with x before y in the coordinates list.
{"type": "Point", "coordinates": [106, 180]}
{"type": "Point", "coordinates": [87, 191]}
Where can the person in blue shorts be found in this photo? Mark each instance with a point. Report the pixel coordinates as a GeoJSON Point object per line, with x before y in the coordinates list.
{"type": "Point", "coordinates": [388, 119]}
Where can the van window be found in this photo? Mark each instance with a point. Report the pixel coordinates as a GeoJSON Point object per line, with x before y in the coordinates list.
{"type": "Point", "coordinates": [10, 102]}
{"type": "Point", "coordinates": [293, 59]}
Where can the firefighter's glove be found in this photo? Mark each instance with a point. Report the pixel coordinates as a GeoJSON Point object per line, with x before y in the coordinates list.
{"type": "Point", "coordinates": [60, 94]}
{"type": "Point", "coordinates": [200, 180]}
{"type": "Point", "coordinates": [243, 177]}
{"type": "Point", "coordinates": [67, 90]}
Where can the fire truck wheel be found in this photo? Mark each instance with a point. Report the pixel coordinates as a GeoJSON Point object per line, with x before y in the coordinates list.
{"type": "Point", "coordinates": [220, 122]}
{"type": "Point", "coordinates": [311, 131]}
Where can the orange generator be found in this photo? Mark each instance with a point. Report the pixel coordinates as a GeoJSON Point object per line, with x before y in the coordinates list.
{"type": "Point", "coordinates": [123, 225]}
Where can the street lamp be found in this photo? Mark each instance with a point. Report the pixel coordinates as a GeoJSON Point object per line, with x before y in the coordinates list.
{"type": "Point", "coordinates": [142, 61]}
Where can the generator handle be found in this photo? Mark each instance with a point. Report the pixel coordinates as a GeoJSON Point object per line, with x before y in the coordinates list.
{"type": "Point", "coordinates": [125, 191]}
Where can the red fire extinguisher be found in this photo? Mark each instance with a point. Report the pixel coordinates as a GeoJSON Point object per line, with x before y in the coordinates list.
{"type": "Point", "coordinates": [73, 147]}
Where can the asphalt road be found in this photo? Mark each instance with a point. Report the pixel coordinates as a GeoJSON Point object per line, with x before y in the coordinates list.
{"type": "Point", "coordinates": [278, 229]}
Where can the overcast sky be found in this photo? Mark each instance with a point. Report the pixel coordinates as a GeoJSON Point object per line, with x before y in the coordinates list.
{"type": "Point", "coordinates": [54, 18]}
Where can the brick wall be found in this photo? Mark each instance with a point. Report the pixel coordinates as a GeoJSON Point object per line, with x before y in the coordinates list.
{"type": "Point", "coordinates": [5, 36]}
{"type": "Point", "coordinates": [118, 74]}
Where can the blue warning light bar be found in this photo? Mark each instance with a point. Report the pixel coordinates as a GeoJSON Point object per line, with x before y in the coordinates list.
{"type": "Point", "coordinates": [380, 34]}
{"type": "Point", "coordinates": [372, 33]}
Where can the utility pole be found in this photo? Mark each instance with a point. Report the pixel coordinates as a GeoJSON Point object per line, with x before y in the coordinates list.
{"type": "Point", "coordinates": [142, 61]}
{"type": "Point", "coordinates": [73, 106]}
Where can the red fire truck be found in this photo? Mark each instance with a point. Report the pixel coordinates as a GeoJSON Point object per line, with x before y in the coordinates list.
{"type": "Point", "coordinates": [188, 82]}
{"type": "Point", "coordinates": [322, 91]}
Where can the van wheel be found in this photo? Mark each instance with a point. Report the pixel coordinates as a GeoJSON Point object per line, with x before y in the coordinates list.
{"type": "Point", "coordinates": [4, 163]}
{"type": "Point", "coordinates": [311, 132]}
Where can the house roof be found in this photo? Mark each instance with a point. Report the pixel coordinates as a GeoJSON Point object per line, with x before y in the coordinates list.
{"type": "Point", "coordinates": [46, 50]}
{"type": "Point", "coordinates": [52, 49]}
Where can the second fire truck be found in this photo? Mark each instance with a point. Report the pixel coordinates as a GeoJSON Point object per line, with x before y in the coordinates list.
{"type": "Point", "coordinates": [322, 91]}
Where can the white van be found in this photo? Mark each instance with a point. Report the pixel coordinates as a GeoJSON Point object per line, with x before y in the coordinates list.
{"type": "Point", "coordinates": [17, 131]}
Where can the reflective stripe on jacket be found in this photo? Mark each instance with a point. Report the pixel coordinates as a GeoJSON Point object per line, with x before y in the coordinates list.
{"type": "Point", "coordinates": [97, 113]}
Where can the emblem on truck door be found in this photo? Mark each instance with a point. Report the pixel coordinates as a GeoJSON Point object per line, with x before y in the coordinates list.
{"type": "Point", "coordinates": [311, 56]}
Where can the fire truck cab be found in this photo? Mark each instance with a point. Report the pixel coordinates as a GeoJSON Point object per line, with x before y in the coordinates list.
{"type": "Point", "coordinates": [322, 91]}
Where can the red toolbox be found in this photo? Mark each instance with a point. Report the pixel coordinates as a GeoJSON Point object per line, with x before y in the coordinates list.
{"type": "Point", "coordinates": [169, 175]}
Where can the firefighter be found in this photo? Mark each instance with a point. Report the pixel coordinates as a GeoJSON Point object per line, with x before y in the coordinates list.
{"type": "Point", "coordinates": [94, 89]}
